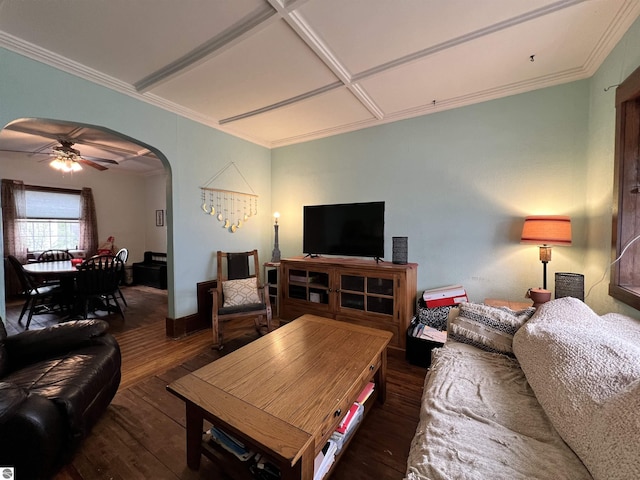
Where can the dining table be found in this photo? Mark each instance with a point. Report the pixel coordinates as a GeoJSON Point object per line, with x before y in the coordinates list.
{"type": "Point", "coordinates": [60, 272]}
{"type": "Point", "coordinates": [51, 270]}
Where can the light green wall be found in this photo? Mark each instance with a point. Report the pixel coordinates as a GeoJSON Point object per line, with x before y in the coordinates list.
{"type": "Point", "coordinates": [622, 61]}
{"type": "Point", "coordinates": [458, 184]}
{"type": "Point", "coordinates": [193, 154]}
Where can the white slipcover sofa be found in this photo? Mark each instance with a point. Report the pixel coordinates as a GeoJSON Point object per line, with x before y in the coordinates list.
{"type": "Point", "coordinates": [556, 396]}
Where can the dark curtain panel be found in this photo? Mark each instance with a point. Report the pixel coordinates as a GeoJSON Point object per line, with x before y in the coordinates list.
{"type": "Point", "coordinates": [13, 211]}
{"type": "Point", "coordinates": [88, 223]}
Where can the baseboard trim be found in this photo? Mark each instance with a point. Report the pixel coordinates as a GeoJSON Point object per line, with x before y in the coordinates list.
{"type": "Point", "coordinates": [182, 326]}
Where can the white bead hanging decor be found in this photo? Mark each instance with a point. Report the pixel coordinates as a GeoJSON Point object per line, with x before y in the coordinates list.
{"type": "Point", "coordinates": [204, 202]}
{"type": "Point", "coordinates": [232, 208]}
{"type": "Point", "coordinates": [212, 210]}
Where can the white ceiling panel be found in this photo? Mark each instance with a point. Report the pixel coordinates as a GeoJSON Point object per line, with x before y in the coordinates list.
{"type": "Point", "coordinates": [445, 75]}
{"type": "Point", "coordinates": [271, 66]}
{"type": "Point", "coordinates": [330, 112]}
{"type": "Point", "coordinates": [364, 34]}
{"type": "Point", "coordinates": [127, 39]}
{"type": "Point", "coordinates": [279, 72]}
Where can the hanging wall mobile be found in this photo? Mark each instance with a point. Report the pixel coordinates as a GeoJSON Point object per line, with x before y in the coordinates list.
{"type": "Point", "coordinates": [231, 208]}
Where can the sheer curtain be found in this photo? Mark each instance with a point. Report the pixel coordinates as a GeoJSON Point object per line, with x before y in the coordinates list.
{"type": "Point", "coordinates": [88, 223]}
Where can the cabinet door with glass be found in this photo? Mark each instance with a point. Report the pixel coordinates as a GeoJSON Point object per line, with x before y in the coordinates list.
{"type": "Point", "coordinates": [308, 286]}
{"type": "Point", "coordinates": [370, 293]}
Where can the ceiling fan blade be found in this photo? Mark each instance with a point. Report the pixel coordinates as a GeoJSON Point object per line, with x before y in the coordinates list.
{"type": "Point", "coordinates": [95, 165]}
{"type": "Point", "coordinates": [98, 159]}
{"type": "Point", "coordinates": [22, 151]}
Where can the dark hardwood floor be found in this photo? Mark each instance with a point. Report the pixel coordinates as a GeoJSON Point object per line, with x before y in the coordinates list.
{"type": "Point", "coordinates": [142, 434]}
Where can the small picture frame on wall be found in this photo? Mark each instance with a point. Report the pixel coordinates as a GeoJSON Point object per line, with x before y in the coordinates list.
{"type": "Point", "coordinates": [159, 218]}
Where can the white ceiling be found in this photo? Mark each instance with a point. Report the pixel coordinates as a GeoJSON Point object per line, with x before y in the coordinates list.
{"type": "Point", "coordinates": [279, 72]}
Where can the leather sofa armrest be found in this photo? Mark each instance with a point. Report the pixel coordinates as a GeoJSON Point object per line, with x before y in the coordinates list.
{"type": "Point", "coordinates": [34, 345]}
{"type": "Point", "coordinates": [11, 397]}
{"type": "Point", "coordinates": [31, 438]}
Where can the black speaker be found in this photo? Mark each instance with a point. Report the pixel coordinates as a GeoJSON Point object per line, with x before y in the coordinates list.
{"type": "Point", "coordinates": [570, 285]}
{"type": "Point", "coordinates": [400, 250]}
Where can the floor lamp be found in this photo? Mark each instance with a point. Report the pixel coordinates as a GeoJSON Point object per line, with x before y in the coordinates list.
{"type": "Point", "coordinates": [546, 231]}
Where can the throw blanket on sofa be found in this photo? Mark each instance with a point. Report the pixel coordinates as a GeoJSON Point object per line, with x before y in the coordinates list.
{"type": "Point", "coordinates": [481, 420]}
{"type": "Point", "coordinates": [585, 372]}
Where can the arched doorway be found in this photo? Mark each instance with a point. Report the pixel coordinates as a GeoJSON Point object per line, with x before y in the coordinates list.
{"type": "Point", "coordinates": [130, 179]}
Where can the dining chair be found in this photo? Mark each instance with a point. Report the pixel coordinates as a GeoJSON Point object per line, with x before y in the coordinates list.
{"type": "Point", "coordinates": [40, 298]}
{"type": "Point", "coordinates": [238, 293]}
{"type": "Point", "coordinates": [123, 255]}
{"type": "Point", "coordinates": [97, 284]}
{"type": "Point", "coordinates": [54, 256]}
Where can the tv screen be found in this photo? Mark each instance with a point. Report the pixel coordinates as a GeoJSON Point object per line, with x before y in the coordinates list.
{"type": "Point", "coordinates": [352, 229]}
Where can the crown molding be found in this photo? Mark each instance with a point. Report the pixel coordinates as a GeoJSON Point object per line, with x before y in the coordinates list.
{"type": "Point", "coordinates": [287, 11]}
{"type": "Point", "coordinates": [443, 105]}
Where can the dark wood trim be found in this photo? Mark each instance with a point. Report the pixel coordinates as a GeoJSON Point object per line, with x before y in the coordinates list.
{"type": "Point", "coordinates": [179, 327]}
{"type": "Point", "coordinates": [40, 188]}
{"type": "Point", "coordinates": [629, 89]}
{"type": "Point", "coordinates": [624, 210]}
{"type": "Point", "coordinates": [626, 295]}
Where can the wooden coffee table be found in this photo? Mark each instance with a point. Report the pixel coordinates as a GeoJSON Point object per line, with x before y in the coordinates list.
{"type": "Point", "coordinates": [284, 394]}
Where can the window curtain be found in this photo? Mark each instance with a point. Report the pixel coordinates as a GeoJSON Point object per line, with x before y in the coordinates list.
{"type": "Point", "coordinates": [88, 223]}
{"type": "Point", "coordinates": [13, 210]}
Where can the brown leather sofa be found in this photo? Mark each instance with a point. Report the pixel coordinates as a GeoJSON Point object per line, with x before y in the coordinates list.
{"type": "Point", "coordinates": [55, 383]}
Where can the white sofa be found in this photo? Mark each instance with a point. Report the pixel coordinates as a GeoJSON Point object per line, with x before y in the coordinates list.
{"type": "Point", "coordinates": [556, 396]}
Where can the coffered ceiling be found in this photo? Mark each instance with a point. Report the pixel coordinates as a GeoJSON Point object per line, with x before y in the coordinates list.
{"type": "Point", "coordinates": [278, 72]}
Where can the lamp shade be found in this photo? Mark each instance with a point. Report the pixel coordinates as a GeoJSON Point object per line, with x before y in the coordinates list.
{"type": "Point", "coordinates": [547, 230]}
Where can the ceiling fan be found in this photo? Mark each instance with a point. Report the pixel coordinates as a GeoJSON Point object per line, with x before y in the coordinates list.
{"type": "Point", "coordinates": [68, 159]}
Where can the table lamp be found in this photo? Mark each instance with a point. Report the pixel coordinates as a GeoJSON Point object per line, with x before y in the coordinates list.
{"type": "Point", "coordinates": [545, 231]}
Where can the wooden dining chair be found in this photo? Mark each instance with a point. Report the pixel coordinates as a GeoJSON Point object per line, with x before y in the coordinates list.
{"type": "Point", "coordinates": [123, 256]}
{"type": "Point", "coordinates": [238, 293]}
{"type": "Point", "coordinates": [97, 283]}
{"type": "Point", "coordinates": [39, 298]}
{"type": "Point", "coordinates": [54, 255]}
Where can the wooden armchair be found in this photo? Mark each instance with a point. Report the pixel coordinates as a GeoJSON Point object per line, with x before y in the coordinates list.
{"type": "Point", "coordinates": [239, 294]}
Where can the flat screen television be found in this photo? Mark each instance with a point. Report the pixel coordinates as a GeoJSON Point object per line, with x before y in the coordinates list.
{"type": "Point", "coordinates": [351, 229]}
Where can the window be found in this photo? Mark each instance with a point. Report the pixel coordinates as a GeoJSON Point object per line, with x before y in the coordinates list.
{"type": "Point", "coordinates": [625, 274]}
{"type": "Point", "coordinates": [52, 219]}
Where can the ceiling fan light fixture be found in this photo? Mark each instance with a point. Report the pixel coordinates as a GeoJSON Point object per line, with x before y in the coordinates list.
{"type": "Point", "coordinates": [65, 165]}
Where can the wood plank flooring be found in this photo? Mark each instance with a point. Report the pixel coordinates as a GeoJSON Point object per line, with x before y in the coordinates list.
{"type": "Point", "coordinates": [142, 434]}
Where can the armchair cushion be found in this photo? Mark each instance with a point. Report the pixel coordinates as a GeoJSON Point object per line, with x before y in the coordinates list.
{"type": "Point", "coordinates": [240, 292]}
{"type": "Point", "coordinates": [249, 307]}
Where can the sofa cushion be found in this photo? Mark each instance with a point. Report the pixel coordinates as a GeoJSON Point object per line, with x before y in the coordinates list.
{"type": "Point", "coordinates": [486, 327]}
{"type": "Point", "coordinates": [479, 419]}
{"type": "Point", "coordinates": [585, 371]}
{"type": "Point", "coordinates": [240, 292]}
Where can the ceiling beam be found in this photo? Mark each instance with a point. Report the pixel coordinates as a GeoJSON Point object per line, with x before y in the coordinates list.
{"type": "Point", "coordinates": [246, 27]}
